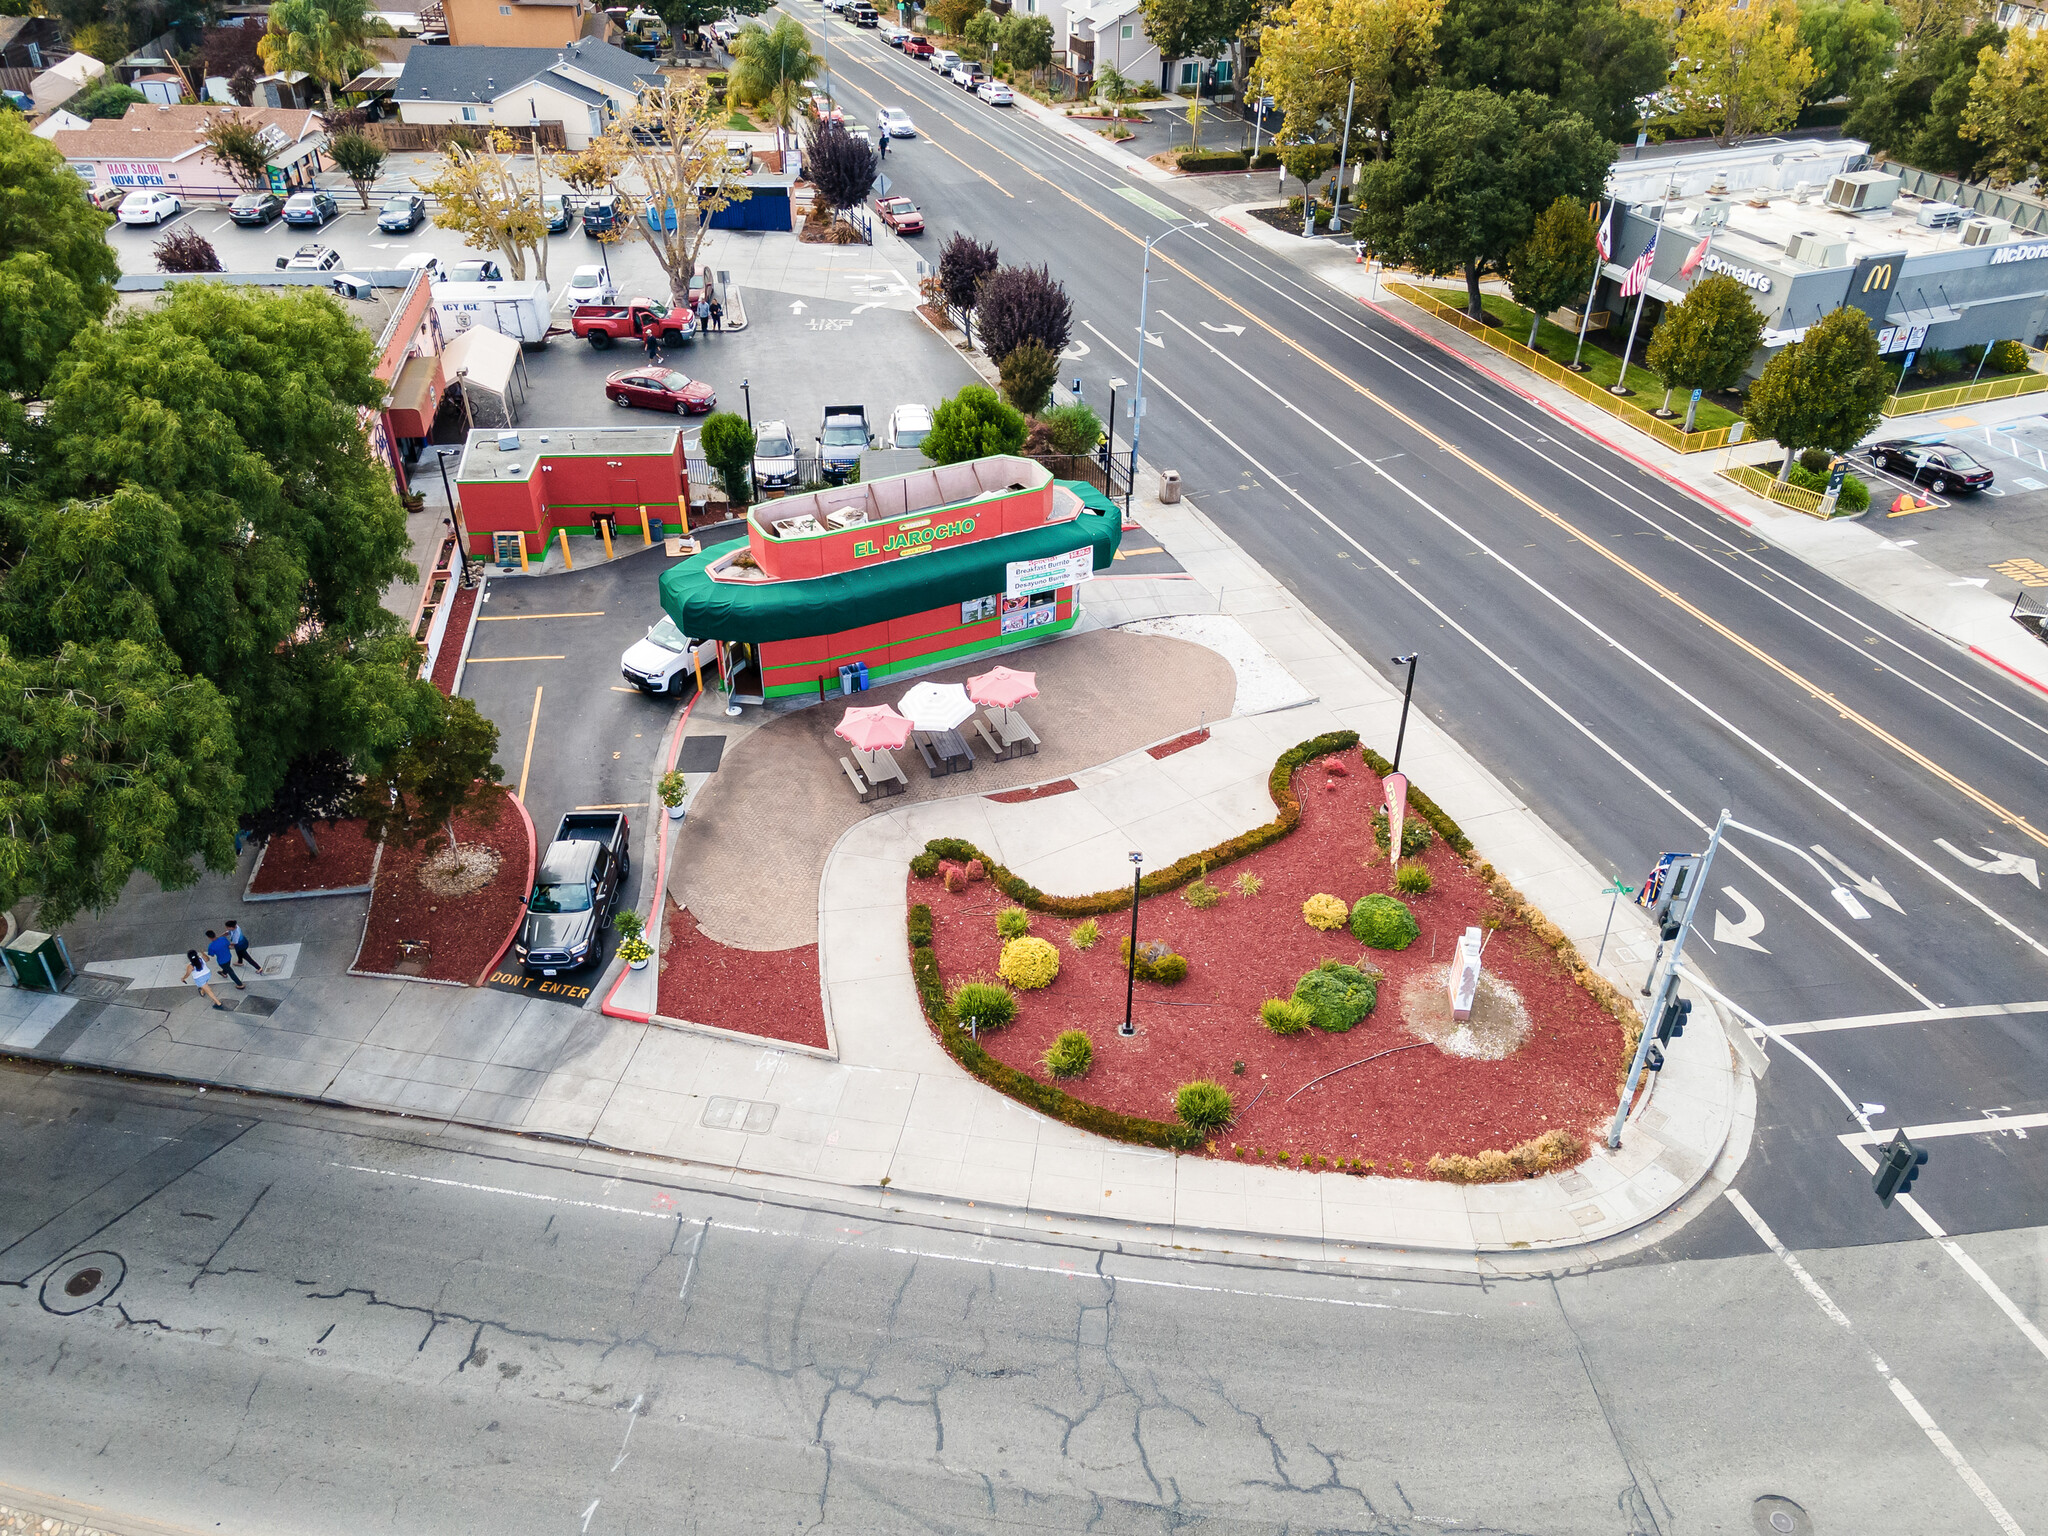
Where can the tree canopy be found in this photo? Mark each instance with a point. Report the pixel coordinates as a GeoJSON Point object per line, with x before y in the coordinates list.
{"type": "Point", "coordinates": [1848, 40]}
{"type": "Point", "coordinates": [1824, 391]}
{"type": "Point", "coordinates": [320, 38]}
{"type": "Point", "coordinates": [841, 167]}
{"type": "Point", "coordinates": [1014, 305]}
{"type": "Point", "coordinates": [682, 16]}
{"type": "Point", "coordinates": [446, 763]}
{"type": "Point", "coordinates": [1706, 340]}
{"type": "Point", "coordinates": [56, 269]}
{"type": "Point", "coordinates": [1193, 29]}
{"type": "Point", "coordinates": [1313, 50]}
{"type": "Point", "coordinates": [1915, 112]}
{"type": "Point", "coordinates": [1469, 173]}
{"type": "Point", "coordinates": [770, 67]}
{"type": "Point", "coordinates": [2007, 111]}
{"type": "Point", "coordinates": [1025, 41]}
{"type": "Point", "coordinates": [1592, 57]}
{"type": "Point", "coordinates": [973, 424]}
{"type": "Point", "coordinates": [728, 444]}
{"type": "Point", "coordinates": [358, 158]}
{"type": "Point", "coordinates": [1555, 264]}
{"type": "Point", "coordinates": [482, 193]}
{"type": "Point", "coordinates": [1740, 69]}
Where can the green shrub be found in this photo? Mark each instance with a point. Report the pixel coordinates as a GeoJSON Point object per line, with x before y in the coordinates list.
{"type": "Point", "coordinates": [1028, 964]}
{"type": "Point", "coordinates": [1935, 363]}
{"type": "Point", "coordinates": [2006, 357]}
{"type": "Point", "coordinates": [1383, 922]}
{"type": "Point", "coordinates": [1012, 923]}
{"type": "Point", "coordinates": [990, 1006]}
{"type": "Point", "coordinates": [1155, 963]}
{"type": "Point", "coordinates": [1201, 895]}
{"type": "Point", "coordinates": [1073, 428]}
{"type": "Point", "coordinates": [1324, 911]}
{"type": "Point", "coordinates": [1413, 880]}
{"type": "Point", "coordinates": [1071, 1054]}
{"type": "Point", "coordinates": [1085, 934]}
{"type": "Point", "coordinates": [1815, 461]}
{"type": "Point", "coordinates": [1285, 1016]}
{"type": "Point", "coordinates": [1414, 829]}
{"type": "Point", "coordinates": [1337, 995]}
{"type": "Point", "coordinates": [924, 865]}
{"type": "Point", "coordinates": [1855, 495]}
{"type": "Point", "coordinates": [1266, 160]}
{"type": "Point", "coordinates": [1213, 160]}
{"type": "Point", "coordinates": [1203, 1105]}
{"type": "Point", "coordinates": [920, 925]}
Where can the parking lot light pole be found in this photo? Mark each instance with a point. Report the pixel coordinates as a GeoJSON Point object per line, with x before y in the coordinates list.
{"type": "Point", "coordinates": [1131, 970]}
{"type": "Point", "coordinates": [1407, 695]}
{"type": "Point", "coordinates": [454, 518]}
{"type": "Point", "coordinates": [1138, 394]}
{"type": "Point", "coordinates": [748, 392]}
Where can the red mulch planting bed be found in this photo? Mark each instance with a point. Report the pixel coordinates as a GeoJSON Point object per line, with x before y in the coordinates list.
{"type": "Point", "coordinates": [1036, 792]}
{"type": "Point", "coordinates": [1181, 744]}
{"type": "Point", "coordinates": [462, 604]}
{"type": "Point", "coordinates": [464, 934]}
{"type": "Point", "coordinates": [1396, 1112]}
{"type": "Point", "coordinates": [772, 993]}
{"type": "Point", "coordinates": [344, 861]}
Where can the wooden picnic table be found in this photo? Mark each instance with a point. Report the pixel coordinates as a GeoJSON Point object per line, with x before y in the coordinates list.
{"type": "Point", "coordinates": [951, 749]}
{"type": "Point", "coordinates": [881, 770]}
{"type": "Point", "coordinates": [1013, 732]}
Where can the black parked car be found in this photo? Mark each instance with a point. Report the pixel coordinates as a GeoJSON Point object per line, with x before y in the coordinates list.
{"type": "Point", "coordinates": [600, 214]}
{"type": "Point", "coordinates": [256, 208]}
{"type": "Point", "coordinates": [315, 208]}
{"type": "Point", "coordinates": [1938, 466]}
{"type": "Point", "coordinates": [403, 214]}
{"type": "Point", "coordinates": [559, 211]}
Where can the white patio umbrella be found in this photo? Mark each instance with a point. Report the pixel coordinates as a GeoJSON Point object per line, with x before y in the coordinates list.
{"type": "Point", "coordinates": [935, 706]}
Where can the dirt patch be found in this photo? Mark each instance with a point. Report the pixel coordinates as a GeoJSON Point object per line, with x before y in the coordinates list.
{"type": "Point", "coordinates": [343, 862]}
{"type": "Point", "coordinates": [459, 871]}
{"type": "Point", "coordinates": [1037, 792]}
{"type": "Point", "coordinates": [1179, 743]}
{"type": "Point", "coordinates": [462, 603]}
{"type": "Point", "coordinates": [414, 932]}
{"type": "Point", "coordinates": [1495, 1031]}
{"type": "Point", "coordinates": [773, 993]}
{"type": "Point", "coordinates": [1394, 1112]}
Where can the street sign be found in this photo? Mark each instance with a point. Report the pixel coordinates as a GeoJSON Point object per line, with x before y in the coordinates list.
{"type": "Point", "coordinates": [1696, 396]}
{"type": "Point", "coordinates": [1836, 475]}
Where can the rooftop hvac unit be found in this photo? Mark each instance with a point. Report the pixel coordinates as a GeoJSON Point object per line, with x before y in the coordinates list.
{"type": "Point", "coordinates": [1938, 216]}
{"type": "Point", "coordinates": [1713, 213]}
{"type": "Point", "coordinates": [1801, 191]}
{"type": "Point", "coordinates": [1817, 250]}
{"type": "Point", "coordinates": [1862, 191]}
{"type": "Point", "coordinates": [1986, 231]}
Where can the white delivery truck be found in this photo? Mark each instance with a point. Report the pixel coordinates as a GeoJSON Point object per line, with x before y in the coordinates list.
{"type": "Point", "coordinates": [522, 311]}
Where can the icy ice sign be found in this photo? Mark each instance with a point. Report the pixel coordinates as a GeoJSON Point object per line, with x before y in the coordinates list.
{"type": "Point", "coordinates": [1463, 982]}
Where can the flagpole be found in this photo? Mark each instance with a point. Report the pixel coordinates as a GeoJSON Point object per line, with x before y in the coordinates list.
{"type": "Point", "coordinates": [1599, 261]}
{"type": "Point", "coordinates": [1642, 297]}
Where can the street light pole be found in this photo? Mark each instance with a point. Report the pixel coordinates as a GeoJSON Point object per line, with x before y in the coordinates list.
{"type": "Point", "coordinates": [1131, 970]}
{"type": "Point", "coordinates": [1401, 735]}
{"type": "Point", "coordinates": [748, 392]}
{"type": "Point", "coordinates": [1138, 395]}
{"type": "Point", "coordinates": [454, 519]}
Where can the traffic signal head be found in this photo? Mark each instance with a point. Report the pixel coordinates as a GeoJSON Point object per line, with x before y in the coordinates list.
{"type": "Point", "coordinates": [1672, 1023]}
{"type": "Point", "coordinates": [1898, 1165]}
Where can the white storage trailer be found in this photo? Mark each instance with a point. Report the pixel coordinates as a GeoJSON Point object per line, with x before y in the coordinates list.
{"type": "Point", "coordinates": [522, 311]}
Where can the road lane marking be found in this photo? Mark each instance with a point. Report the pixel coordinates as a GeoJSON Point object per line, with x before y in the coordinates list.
{"type": "Point", "coordinates": [1910, 1403]}
{"type": "Point", "coordinates": [1914, 1016]}
{"type": "Point", "coordinates": [480, 660]}
{"type": "Point", "coordinates": [500, 618]}
{"type": "Point", "coordinates": [526, 763]}
{"type": "Point", "coordinates": [1621, 759]}
{"type": "Point", "coordinates": [2020, 1124]}
{"type": "Point", "coordinates": [935, 144]}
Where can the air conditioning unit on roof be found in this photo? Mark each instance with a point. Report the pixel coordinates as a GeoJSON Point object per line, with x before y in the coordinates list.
{"type": "Point", "coordinates": [1938, 215]}
{"type": "Point", "coordinates": [1817, 250]}
{"type": "Point", "coordinates": [1987, 231]}
{"type": "Point", "coordinates": [1862, 191]}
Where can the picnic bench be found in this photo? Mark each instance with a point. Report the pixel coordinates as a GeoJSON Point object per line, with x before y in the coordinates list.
{"type": "Point", "coordinates": [882, 771]}
{"type": "Point", "coordinates": [1014, 733]}
{"type": "Point", "coordinates": [867, 792]}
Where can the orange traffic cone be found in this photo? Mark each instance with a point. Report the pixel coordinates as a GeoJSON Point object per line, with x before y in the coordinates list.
{"type": "Point", "coordinates": [1908, 502]}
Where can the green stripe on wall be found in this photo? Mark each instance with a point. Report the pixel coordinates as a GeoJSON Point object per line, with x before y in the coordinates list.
{"type": "Point", "coordinates": [928, 659]}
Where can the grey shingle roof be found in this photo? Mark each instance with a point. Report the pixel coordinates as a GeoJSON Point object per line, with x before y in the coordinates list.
{"type": "Point", "coordinates": [484, 74]}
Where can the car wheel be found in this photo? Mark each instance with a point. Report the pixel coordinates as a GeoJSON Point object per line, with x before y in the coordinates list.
{"type": "Point", "coordinates": [600, 340]}
{"type": "Point", "coordinates": [682, 407]}
{"type": "Point", "coordinates": [1937, 485]}
{"type": "Point", "coordinates": [619, 400]}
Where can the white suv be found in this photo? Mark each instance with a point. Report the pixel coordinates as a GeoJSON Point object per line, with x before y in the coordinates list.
{"type": "Point", "coordinates": [665, 659]}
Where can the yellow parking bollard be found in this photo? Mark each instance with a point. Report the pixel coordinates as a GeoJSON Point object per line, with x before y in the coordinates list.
{"type": "Point", "coordinates": [646, 533]}
{"type": "Point", "coordinates": [567, 563]}
{"type": "Point", "coordinates": [604, 528]}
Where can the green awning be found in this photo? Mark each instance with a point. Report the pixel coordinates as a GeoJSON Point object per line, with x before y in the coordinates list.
{"type": "Point", "coordinates": [826, 605]}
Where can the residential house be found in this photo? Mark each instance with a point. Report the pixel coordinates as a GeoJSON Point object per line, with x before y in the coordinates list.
{"type": "Point", "coordinates": [160, 146]}
{"type": "Point", "coordinates": [2014, 14]}
{"type": "Point", "coordinates": [61, 121]}
{"type": "Point", "coordinates": [31, 42]}
{"type": "Point", "coordinates": [64, 80]}
{"type": "Point", "coordinates": [522, 23]}
{"type": "Point", "coordinates": [582, 87]}
{"type": "Point", "coordinates": [1113, 32]}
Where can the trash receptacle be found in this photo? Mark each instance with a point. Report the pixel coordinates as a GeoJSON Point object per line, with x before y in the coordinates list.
{"type": "Point", "coordinates": [1169, 486]}
{"type": "Point", "coordinates": [38, 962]}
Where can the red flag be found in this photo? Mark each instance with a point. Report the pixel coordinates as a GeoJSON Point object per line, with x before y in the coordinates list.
{"type": "Point", "coordinates": [1396, 786]}
{"type": "Point", "coordinates": [1693, 260]}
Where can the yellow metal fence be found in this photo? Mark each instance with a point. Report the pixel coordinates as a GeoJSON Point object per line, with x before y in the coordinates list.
{"type": "Point", "coordinates": [1766, 485]}
{"type": "Point", "coordinates": [1593, 394]}
{"type": "Point", "coordinates": [1966, 394]}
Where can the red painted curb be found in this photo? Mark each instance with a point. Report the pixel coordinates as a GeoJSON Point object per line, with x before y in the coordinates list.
{"type": "Point", "coordinates": [1577, 426]}
{"type": "Point", "coordinates": [668, 761]}
{"type": "Point", "coordinates": [485, 974]}
{"type": "Point", "coordinates": [1983, 655]}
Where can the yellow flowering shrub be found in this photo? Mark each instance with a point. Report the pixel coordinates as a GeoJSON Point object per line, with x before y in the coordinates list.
{"type": "Point", "coordinates": [1325, 912]}
{"type": "Point", "coordinates": [1028, 963]}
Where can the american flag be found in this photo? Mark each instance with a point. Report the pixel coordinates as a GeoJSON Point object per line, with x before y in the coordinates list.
{"type": "Point", "coordinates": [1632, 284]}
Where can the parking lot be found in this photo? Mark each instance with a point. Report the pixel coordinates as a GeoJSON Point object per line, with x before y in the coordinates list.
{"type": "Point", "coordinates": [2000, 535]}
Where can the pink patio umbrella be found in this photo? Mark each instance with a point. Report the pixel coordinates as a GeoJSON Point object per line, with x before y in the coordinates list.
{"type": "Point", "coordinates": [1003, 687]}
{"type": "Point", "coordinates": [873, 728]}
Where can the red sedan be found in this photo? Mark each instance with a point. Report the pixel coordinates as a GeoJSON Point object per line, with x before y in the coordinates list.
{"type": "Point", "coordinates": [660, 389]}
{"type": "Point", "coordinates": [900, 214]}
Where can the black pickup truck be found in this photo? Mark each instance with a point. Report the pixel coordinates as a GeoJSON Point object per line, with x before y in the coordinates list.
{"type": "Point", "coordinates": [581, 878]}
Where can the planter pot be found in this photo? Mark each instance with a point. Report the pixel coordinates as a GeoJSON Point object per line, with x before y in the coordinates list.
{"type": "Point", "coordinates": [675, 813]}
{"type": "Point", "coordinates": [636, 965]}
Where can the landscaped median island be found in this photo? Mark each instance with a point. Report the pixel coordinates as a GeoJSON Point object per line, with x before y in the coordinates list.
{"type": "Point", "coordinates": [445, 914]}
{"type": "Point", "coordinates": [1291, 1003]}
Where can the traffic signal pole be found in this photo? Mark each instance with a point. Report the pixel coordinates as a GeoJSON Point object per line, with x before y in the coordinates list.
{"type": "Point", "coordinates": [1669, 987]}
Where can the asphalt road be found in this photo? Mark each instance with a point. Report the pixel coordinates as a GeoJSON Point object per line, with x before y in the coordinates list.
{"type": "Point", "coordinates": [231, 1316]}
{"type": "Point", "coordinates": [1626, 659]}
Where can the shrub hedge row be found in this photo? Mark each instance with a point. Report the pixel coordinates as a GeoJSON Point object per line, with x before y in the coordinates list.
{"type": "Point", "coordinates": [1021, 1086]}
{"type": "Point", "coordinates": [1213, 160]}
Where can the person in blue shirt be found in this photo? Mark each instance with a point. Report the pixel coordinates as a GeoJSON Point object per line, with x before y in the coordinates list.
{"type": "Point", "coordinates": [223, 953]}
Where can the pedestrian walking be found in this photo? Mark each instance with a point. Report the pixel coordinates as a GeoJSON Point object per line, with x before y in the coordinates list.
{"type": "Point", "coordinates": [703, 313]}
{"type": "Point", "coordinates": [223, 953]}
{"type": "Point", "coordinates": [241, 942]}
{"type": "Point", "coordinates": [718, 317]}
{"type": "Point", "coordinates": [885, 143]}
{"type": "Point", "coordinates": [651, 341]}
{"type": "Point", "coordinates": [197, 973]}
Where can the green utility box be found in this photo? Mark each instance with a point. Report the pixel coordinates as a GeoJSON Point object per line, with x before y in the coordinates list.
{"type": "Point", "coordinates": [38, 962]}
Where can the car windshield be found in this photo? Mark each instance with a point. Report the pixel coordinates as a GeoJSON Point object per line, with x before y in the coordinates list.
{"type": "Point", "coordinates": [398, 205]}
{"type": "Point", "coordinates": [559, 898]}
{"type": "Point", "coordinates": [1957, 459]}
{"type": "Point", "coordinates": [668, 637]}
{"type": "Point", "coordinates": [586, 280]}
{"type": "Point", "coordinates": [846, 436]}
{"type": "Point", "coordinates": [911, 436]}
{"type": "Point", "coordinates": [775, 445]}
{"type": "Point", "coordinates": [675, 381]}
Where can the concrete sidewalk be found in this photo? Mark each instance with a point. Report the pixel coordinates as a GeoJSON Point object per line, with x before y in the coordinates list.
{"type": "Point", "coordinates": [892, 1121]}
{"type": "Point", "coordinates": [1856, 553]}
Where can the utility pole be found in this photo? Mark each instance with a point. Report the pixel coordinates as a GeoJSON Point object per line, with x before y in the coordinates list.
{"type": "Point", "coordinates": [1138, 396]}
{"type": "Point", "coordinates": [1131, 970]}
{"type": "Point", "coordinates": [1407, 695]}
{"type": "Point", "coordinates": [1343, 148]}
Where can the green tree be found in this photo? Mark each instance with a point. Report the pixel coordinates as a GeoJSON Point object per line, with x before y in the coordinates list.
{"type": "Point", "coordinates": [728, 444]}
{"type": "Point", "coordinates": [105, 98]}
{"type": "Point", "coordinates": [982, 29]}
{"type": "Point", "coordinates": [319, 38]}
{"type": "Point", "coordinates": [1028, 372]}
{"type": "Point", "coordinates": [1741, 70]}
{"type": "Point", "coordinates": [1848, 39]}
{"type": "Point", "coordinates": [203, 482]}
{"type": "Point", "coordinates": [2008, 108]}
{"type": "Point", "coordinates": [682, 16]}
{"type": "Point", "coordinates": [235, 144]}
{"type": "Point", "coordinates": [1469, 173]}
{"type": "Point", "coordinates": [111, 760]}
{"type": "Point", "coordinates": [56, 270]}
{"type": "Point", "coordinates": [1914, 112]}
{"type": "Point", "coordinates": [952, 16]}
{"type": "Point", "coordinates": [1825, 391]}
{"type": "Point", "coordinates": [1193, 29]}
{"type": "Point", "coordinates": [770, 68]}
{"type": "Point", "coordinates": [1706, 340]}
{"type": "Point", "coordinates": [358, 158]}
{"type": "Point", "coordinates": [1026, 41]}
{"type": "Point", "coordinates": [445, 764]}
{"type": "Point", "coordinates": [1555, 264]}
{"type": "Point", "coordinates": [483, 191]}
{"type": "Point", "coordinates": [1314, 50]}
{"type": "Point", "coordinates": [974, 424]}
{"type": "Point", "coordinates": [1592, 57]}
{"type": "Point", "coordinates": [1073, 428]}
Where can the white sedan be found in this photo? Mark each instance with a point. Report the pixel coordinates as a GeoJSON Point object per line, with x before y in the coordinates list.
{"type": "Point", "coordinates": [149, 208]}
{"type": "Point", "coordinates": [590, 285]}
{"type": "Point", "coordinates": [909, 426]}
{"type": "Point", "coordinates": [997, 94]}
{"type": "Point", "coordinates": [895, 122]}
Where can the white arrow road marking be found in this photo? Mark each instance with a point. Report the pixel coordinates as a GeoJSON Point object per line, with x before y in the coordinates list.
{"type": "Point", "coordinates": [863, 308]}
{"type": "Point", "coordinates": [1076, 349]}
{"type": "Point", "coordinates": [1234, 330]}
{"type": "Point", "coordinates": [2001, 863]}
{"type": "Point", "coordinates": [1743, 932]}
{"type": "Point", "coordinates": [797, 308]}
{"type": "Point", "coordinates": [1157, 341]}
{"type": "Point", "coordinates": [1972, 581]}
{"type": "Point", "coordinates": [1871, 889]}
{"type": "Point", "coordinates": [632, 1418]}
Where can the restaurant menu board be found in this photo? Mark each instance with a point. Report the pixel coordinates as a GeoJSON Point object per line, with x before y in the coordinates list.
{"type": "Point", "coordinates": [1022, 578]}
{"type": "Point", "coordinates": [1021, 613]}
{"type": "Point", "coordinates": [977, 610]}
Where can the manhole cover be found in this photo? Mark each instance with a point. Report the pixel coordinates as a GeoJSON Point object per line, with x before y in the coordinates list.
{"type": "Point", "coordinates": [1776, 1515]}
{"type": "Point", "coordinates": [84, 1280]}
{"type": "Point", "coordinates": [91, 988]}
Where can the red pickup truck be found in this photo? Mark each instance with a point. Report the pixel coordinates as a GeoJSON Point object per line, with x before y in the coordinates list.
{"type": "Point", "coordinates": [919, 47]}
{"type": "Point", "coordinates": [605, 323]}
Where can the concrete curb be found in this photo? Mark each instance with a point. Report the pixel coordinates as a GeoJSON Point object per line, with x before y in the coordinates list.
{"type": "Point", "coordinates": [250, 893]}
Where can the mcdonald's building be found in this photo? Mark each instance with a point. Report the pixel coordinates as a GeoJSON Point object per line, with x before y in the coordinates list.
{"type": "Point", "coordinates": [1808, 226]}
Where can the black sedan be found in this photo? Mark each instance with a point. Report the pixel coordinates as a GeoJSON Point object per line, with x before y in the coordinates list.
{"type": "Point", "coordinates": [1938, 466]}
{"type": "Point", "coordinates": [402, 214]}
{"type": "Point", "coordinates": [256, 208]}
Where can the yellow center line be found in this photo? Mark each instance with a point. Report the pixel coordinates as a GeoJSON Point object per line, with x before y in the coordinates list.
{"type": "Point", "coordinates": [527, 762]}
{"type": "Point", "coordinates": [476, 660]}
{"type": "Point", "coordinates": [501, 618]}
{"type": "Point", "coordinates": [935, 144]}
